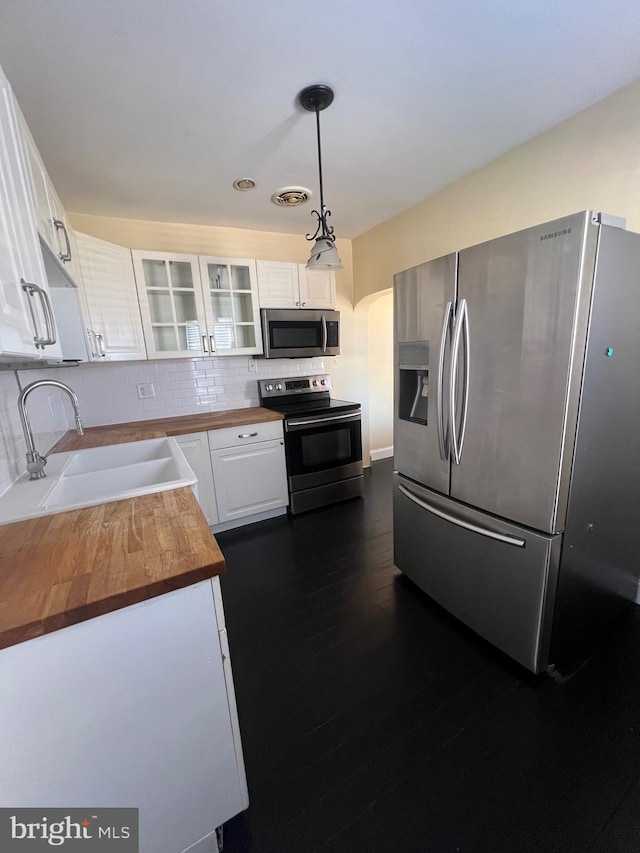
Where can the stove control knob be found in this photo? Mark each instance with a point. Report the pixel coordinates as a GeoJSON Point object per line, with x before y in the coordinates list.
{"type": "Point", "coordinates": [323, 381]}
{"type": "Point", "coordinates": [279, 386]}
{"type": "Point", "coordinates": [268, 387]}
{"type": "Point", "coordinates": [315, 382]}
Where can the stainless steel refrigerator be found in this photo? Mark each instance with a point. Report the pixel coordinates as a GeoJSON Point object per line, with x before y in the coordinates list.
{"type": "Point", "coordinates": [517, 433]}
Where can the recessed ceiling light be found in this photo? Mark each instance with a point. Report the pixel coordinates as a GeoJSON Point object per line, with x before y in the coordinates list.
{"type": "Point", "coordinates": [244, 184]}
{"type": "Point", "coordinates": [291, 196]}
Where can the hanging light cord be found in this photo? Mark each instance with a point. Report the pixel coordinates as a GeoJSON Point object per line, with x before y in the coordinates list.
{"type": "Point", "coordinates": [324, 230]}
{"type": "Point", "coordinates": [319, 160]}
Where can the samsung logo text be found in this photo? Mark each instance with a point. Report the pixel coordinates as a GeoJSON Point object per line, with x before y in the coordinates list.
{"type": "Point", "coordinates": [555, 234]}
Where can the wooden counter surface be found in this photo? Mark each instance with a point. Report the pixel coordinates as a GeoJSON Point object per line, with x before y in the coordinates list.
{"type": "Point", "coordinates": [159, 428]}
{"type": "Point", "coordinates": [60, 569]}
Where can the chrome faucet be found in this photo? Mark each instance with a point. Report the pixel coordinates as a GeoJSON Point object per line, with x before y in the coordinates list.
{"type": "Point", "coordinates": [36, 462]}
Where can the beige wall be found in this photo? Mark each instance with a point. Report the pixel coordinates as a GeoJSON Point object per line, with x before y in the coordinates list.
{"type": "Point", "coordinates": [380, 323]}
{"type": "Point", "coordinates": [591, 160]}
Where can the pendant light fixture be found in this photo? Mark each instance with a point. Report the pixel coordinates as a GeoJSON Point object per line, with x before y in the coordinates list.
{"type": "Point", "coordinates": [324, 255]}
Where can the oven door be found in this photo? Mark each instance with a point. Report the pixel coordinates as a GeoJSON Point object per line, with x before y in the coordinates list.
{"type": "Point", "coordinates": [322, 449]}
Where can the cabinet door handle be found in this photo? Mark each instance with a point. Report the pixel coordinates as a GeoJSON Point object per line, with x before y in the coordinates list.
{"type": "Point", "coordinates": [298, 304]}
{"type": "Point", "coordinates": [31, 289]}
{"type": "Point", "coordinates": [248, 435]}
{"type": "Point", "coordinates": [212, 343]}
{"type": "Point", "coordinates": [303, 304]}
{"type": "Point", "coordinates": [204, 345]}
{"type": "Point", "coordinates": [102, 353]}
{"type": "Point", "coordinates": [91, 336]}
{"type": "Point", "coordinates": [48, 317]}
{"type": "Point", "coordinates": [60, 226]}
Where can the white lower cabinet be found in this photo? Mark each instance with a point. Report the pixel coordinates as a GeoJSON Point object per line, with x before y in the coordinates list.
{"type": "Point", "coordinates": [249, 471]}
{"type": "Point", "coordinates": [134, 708]}
{"type": "Point", "coordinates": [249, 479]}
{"type": "Point", "coordinates": [195, 447]}
{"type": "Point", "coordinates": [241, 471]}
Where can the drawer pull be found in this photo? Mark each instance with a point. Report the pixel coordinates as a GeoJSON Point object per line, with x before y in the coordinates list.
{"type": "Point", "coordinates": [248, 435]}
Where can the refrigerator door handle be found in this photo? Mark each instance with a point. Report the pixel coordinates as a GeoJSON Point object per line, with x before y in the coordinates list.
{"type": "Point", "coordinates": [467, 525]}
{"type": "Point", "coordinates": [467, 363]}
{"type": "Point", "coordinates": [455, 351]}
{"type": "Point", "coordinates": [443, 442]}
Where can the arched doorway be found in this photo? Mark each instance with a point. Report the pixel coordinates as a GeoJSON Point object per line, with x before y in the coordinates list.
{"type": "Point", "coordinates": [379, 310]}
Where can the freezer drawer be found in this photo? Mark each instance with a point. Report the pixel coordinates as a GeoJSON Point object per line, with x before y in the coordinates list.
{"type": "Point", "coordinates": [496, 577]}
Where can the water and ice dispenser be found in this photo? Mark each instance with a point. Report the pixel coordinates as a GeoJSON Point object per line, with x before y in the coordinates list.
{"type": "Point", "coordinates": [413, 381]}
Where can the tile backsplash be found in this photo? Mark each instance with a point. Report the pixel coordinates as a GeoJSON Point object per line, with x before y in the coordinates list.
{"type": "Point", "coordinates": [108, 394]}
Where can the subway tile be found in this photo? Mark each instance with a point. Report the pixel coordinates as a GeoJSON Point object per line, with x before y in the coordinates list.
{"type": "Point", "coordinates": [108, 394]}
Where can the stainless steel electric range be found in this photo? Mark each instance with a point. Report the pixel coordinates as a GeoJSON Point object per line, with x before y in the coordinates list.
{"type": "Point", "coordinates": [323, 440]}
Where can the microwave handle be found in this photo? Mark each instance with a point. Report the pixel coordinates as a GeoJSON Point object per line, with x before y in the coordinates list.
{"type": "Point", "coordinates": [324, 334]}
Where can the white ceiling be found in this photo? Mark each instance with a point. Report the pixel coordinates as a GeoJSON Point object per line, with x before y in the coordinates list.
{"type": "Point", "coordinates": [150, 109]}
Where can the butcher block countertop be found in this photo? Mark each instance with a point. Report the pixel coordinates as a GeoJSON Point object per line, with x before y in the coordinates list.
{"type": "Point", "coordinates": [60, 569]}
{"type": "Point", "coordinates": [159, 428]}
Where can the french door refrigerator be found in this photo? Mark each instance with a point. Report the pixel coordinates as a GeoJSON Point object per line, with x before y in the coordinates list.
{"type": "Point", "coordinates": [517, 449]}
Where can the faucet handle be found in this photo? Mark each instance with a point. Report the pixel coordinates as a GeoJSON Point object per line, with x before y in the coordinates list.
{"type": "Point", "coordinates": [35, 465]}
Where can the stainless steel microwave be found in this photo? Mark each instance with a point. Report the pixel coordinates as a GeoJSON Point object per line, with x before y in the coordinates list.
{"type": "Point", "coordinates": [300, 332]}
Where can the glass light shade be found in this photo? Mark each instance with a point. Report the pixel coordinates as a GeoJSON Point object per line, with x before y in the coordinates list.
{"type": "Point", "coordinates": [324, 256]}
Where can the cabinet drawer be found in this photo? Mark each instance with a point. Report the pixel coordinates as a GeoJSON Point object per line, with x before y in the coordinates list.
{"type": "Point", "coordinates": [244, 434]}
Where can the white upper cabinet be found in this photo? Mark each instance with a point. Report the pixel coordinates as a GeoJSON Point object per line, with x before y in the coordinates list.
{"type": "Point", "coordinates": [194, 305]}
{"type": "Point", "coordinates": [287, 285]}
{"type": "Point", "coordinates": [112, 313]}
{"type": "Point", "coordinates": [27, 325]}
{"type": "Point", "coordinates": [171, 304]}
{"type": "Point", "coordinates": [278, 284]}
{"type": "Point", "coordinates": [230, 294]}
{"type": "Point", "coordinates": [64, 246]}
{"type": "Point", "coordinates": [317, 288]}
{"type": "Point", "coordinates": [52, 222]}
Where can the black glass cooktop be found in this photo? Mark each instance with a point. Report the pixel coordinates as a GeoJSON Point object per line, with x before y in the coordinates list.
{"type": "Point", "coordinates": [299, 408]}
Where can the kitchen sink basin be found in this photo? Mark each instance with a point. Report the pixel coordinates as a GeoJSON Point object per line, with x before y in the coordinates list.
{"type": "Point", "coordinates": [98, 475]}
{"type": "Point", "coordinates": [117, 456]}
{"type": "Point", "coordinates": [73, 490]}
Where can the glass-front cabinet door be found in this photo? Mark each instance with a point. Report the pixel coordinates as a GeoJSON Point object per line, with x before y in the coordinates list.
{"type": "Point", "coordinates": [230, 294]}
{"type": "Point", "coordinates": [171, 305]}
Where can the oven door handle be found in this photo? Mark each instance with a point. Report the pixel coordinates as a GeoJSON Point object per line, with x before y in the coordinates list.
{"type": "Point", "coordinates": [291, 426]}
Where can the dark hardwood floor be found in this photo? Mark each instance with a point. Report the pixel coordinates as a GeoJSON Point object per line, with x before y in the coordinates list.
{"type": "Point", "coordinates": [373, 721]}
